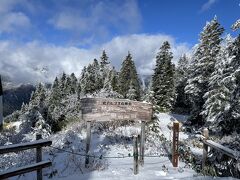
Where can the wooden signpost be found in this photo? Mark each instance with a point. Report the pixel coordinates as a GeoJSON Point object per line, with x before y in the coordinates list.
{"type": "Point", "coordinates": [175, 143]}
{"type": "Point", "coordinates": [107, 109]}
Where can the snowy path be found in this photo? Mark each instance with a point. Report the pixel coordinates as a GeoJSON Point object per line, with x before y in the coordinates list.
{"type": "Point", "coordinates": [153, 167]}
{"type": "Point", "coordinates": [122, 169]}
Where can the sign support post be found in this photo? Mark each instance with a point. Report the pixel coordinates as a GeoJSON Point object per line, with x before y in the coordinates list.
{"type": "Point", "coordinates": [175, 143]}
{"type": "Point", "coordinates": [88, 143]}
{"type": "Point", "coordinates": [142, 142]}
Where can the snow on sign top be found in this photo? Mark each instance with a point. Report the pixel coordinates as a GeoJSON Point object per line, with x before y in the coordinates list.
{"type": "Point", "coordinates": [107, 109]}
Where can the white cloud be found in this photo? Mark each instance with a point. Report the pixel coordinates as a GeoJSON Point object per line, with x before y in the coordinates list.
{"type": "Point", "coordinates": [97, 19]}
{"type": "Point", "coordinates": [207, 5]}
{"type": "Point", "coordinates": [10, 20]}
{"type": "Point", "coordinates": [29, 62]}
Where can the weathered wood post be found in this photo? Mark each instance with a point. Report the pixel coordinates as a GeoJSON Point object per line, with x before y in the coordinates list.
{"type": "Point", "coordinates": [135, 155]}
{"type": "Point", "coordinates": [142, 142]}
{"type": "Point", "coordinates": [39, 157]}
{"type": "Point", "coordinates": [175, 143]}
{"type": "Point", "coordinates": [88, 143]}
{"type": "Point", "coordinates": [205, 147]}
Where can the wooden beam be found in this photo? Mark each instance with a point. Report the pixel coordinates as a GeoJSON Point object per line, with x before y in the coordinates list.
{"type": "Point", "coordinates": [225, 150]}
{"type": "Point", "coordinates": [135, 155]}
{"type": "Point", "coordinates": [205, 147]}
{"type": "Point", "coordinates": [39, 157]}
{"type": "Point", "coordinates": [25, 169]}
{"type": "Point", "coordinates": [142, 142]}
{"type": "Point", "coordinates": [24, 146]}
{"type": "Point", "coordinates": [88, 141]}
{"type": "Point", "coordinates": [175, 143]}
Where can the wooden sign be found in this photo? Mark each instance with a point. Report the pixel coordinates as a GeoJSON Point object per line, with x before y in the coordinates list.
{"type": "Point", "coordinates": [107, 109]}
{"type": "Point", "coordinates": [175, 143]}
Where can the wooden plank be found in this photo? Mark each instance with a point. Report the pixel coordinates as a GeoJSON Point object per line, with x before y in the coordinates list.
{"type": "Point", "coordinates": [108, 109]}
{"type": "Point", "coordinates": [142, 142]}
{"type": "Point", "coordinates": [205, 147]}
{"type": "Point", "coordinates": [39, 157]}
{"type": "Point", "coordinates": [175, 143]}
{"type": "Point", "coordinates": [88, 141]}
{"type": "Point", "coordinates": [24, 146]}
{"type": "Point", "coordinates": [25, 169]}
{"type": "Point", "coordinates": [135, 155]}
{"type": "Point", "coordinates": [231, 153]}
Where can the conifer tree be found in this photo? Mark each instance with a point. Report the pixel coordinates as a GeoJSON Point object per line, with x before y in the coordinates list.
{"type": "Point", "coordinates": [218, 96]}
{"type": "Point", "coordinates": [68, 86]}
{"type": "Point", "coordinates": [114, 80]}
{"type": "Point", "coordinates": [104, 59]}
{"type": "Point", "coordinates": [128, 74]}
{"type": "Point", "coordinates": [181, 82]}
{"type": "Point", "coordinates": [73, 84]}
{"type": "Point", "coordinates": [163, 84]}
{"type": "Point", "coordinates": [131, 94]}
{"type": "Point", "coordinates": [55, 96]}
{"type": "Point", "coordinates": [229, 120]}
{"type": "Point", "coordinates": [62, 82]}
{"type": "Point", "coordinates": [202, 67]}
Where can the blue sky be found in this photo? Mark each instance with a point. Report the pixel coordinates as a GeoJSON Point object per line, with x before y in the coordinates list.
{"type": "Point", "coordinates": [41, 38]}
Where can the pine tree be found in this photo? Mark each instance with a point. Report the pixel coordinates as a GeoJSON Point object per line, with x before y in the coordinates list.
{"type": "Point", "coordinates": [73, 84]}
{"type": "Point", "coordinates": [55, 95]}
{"type": "Point", "coordinates": [79, 90]}
{"type": "Point", "coordinates": [68, 86]}
{"type": "Point", "coordinates": [218, 96]}
{"type": "Point", "coordinates": [181, 82]}
{"type": "Point", "coordinates": [104, 59]}
{"type": "Point", "coordinates": [62, 82]}
{"type": "Point", "coordinates": [131, 94]}
{"type": "Point", "coordinates": [128, 73]}
{"type": "Point", "coordinates": [230, 119]}
{"type": "Point", "coordinates": [83, 80]}
{"type": "Point", "coordinates": [163, 84]}
{"type": "Point", "coordinates": [114, 80]}
{"type": "Point", "coordinates": [202, 67]}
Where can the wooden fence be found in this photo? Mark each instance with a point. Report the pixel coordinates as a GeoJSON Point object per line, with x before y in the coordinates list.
{"type": "Point", "coordinates": [209, 143]}
{"type": "Point", "coordinates": [38, 166]}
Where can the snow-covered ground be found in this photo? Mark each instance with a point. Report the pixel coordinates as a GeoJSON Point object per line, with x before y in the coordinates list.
{"type": "Point", "coordinates": [113, 143]}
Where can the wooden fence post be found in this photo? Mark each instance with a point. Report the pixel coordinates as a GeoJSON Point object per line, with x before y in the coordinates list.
{"type": "Point", "coordinates": [205, 147]}
{"type": "Point", "coordinates": [135, 155]}
{"type": "Point", "coordinates": [142, 142]}
{"type": "Point", "coordinates": [39, 157]}
{"type": "Point", "coordinates": [88, 143]}
{"type": "Point", "coordinates": [175, 143]}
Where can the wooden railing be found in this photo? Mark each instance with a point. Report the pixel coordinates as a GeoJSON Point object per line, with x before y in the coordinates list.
{"type": "Point", "coordinates": [38, 166]}
{"type": "Point", "coordinates": [209, 143]}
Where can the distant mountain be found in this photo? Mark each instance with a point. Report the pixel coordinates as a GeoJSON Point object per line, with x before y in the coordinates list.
{"type": "Point", "coordinates": [14, 96]}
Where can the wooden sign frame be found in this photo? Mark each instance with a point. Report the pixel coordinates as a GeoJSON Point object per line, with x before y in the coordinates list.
{"type": "Point", "coordinates": [107, 109]}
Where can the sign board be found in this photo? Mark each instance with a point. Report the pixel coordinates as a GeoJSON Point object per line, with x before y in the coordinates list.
{"type": "Point", "coordinates": [107, 109]}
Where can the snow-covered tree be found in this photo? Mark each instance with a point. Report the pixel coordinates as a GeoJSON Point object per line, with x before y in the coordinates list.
{"type": "Point", "coordinates": [73, 84]}
{"type": "Point", "coordinates": [128, 74]}
{"type": "Point", "coordinates": [163, 84]}
{"type": "Point", "coordinates": [131, 94]}
{"type": "Point", "coordinates": [219, 93]}
{"type": "Point", "coordinates": [202, 66]}
{"type": "Point", "coordinates": [181, 82]}
{"type": "Point", "coordinates": [236, 25]}
{"type": "Point", "coordinates": [104, 59]}
{"type": "Point", "coordinates": [230, 119]}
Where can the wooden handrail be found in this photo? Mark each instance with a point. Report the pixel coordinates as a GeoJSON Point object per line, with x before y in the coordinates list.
{"type": "Point", "coordinates": [225, 150]}
{"type": "Point", "coordinates": [25, 169]}
{"type": "Point", "coordinates": [24, 146]}
{"type": "Point", "coordinates": [38, 166]}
